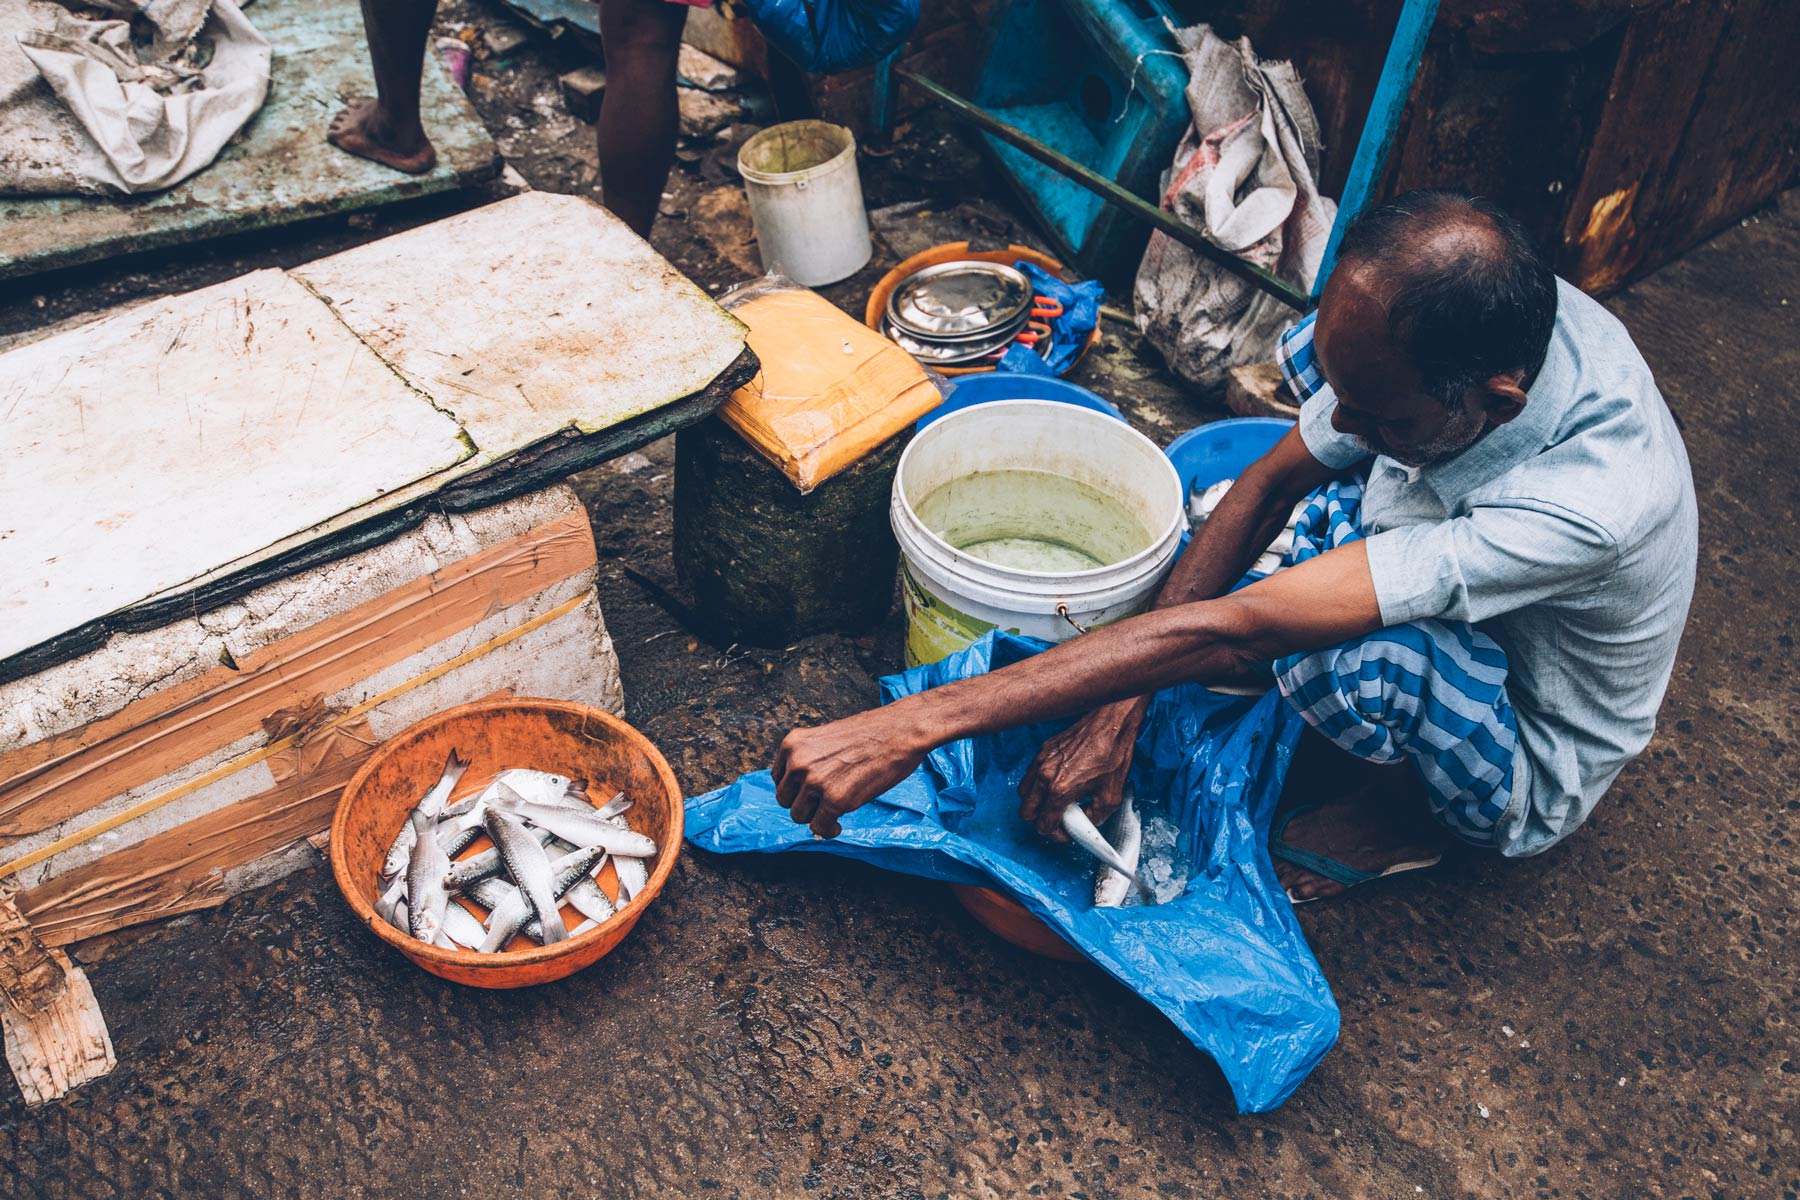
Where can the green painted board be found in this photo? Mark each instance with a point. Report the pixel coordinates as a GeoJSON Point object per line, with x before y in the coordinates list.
{"type": "Point", "coordinates": [279, 169]}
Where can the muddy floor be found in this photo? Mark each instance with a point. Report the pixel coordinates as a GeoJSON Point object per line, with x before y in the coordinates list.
{"type": "Point", "coordinates": [1615, 1018]}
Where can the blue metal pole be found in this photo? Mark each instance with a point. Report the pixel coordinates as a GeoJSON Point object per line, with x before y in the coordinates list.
{"type": "Point", "coordinates": [1397, 75]}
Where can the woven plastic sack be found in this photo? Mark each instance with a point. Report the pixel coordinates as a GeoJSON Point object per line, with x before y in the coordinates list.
{"type": "Point", "coordinates": [1226, 962]}
{"type": "Point", "coordinates": [1245, 176]}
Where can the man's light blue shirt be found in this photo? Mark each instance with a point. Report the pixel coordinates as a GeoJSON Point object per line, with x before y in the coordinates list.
{"type": "Point", "coordinates": [1568, 534]}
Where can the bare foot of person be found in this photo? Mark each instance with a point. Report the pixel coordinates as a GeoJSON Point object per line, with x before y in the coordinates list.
{"type": "Point", "coordinates": [1375, 829]}
{"type": "Point", "coordinates": [364, 130]}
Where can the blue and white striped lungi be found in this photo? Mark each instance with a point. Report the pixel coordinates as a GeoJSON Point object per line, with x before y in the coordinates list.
{"type": "Point", "coordinates": [1433, 692]}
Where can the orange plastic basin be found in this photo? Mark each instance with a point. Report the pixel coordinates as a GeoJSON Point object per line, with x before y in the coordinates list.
{"type": "Point", "coordinates": [546, 735]}
{"type": "Point", "coordinates": [876, 310]}
{"type": "Point", "coordinates": [1011, 921]}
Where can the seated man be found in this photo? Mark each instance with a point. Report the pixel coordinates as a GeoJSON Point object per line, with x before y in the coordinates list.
{"type": "Point", "coordinates": [1496, 608]}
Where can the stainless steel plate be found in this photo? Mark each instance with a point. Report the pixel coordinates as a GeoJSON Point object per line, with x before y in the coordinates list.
{"type": "Point", "coordinates": [947, 355]}
{"type": "Point", "coordinates": [956, 300]}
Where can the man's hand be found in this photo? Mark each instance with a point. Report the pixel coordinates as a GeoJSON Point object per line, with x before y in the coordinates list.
{"type": "Point", "coordinates": [825, 772]}
{"type": "Point", "coordinates": [1090, 758]}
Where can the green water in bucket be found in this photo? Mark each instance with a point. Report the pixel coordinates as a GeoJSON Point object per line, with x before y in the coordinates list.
{"type": "Point", "coordinates": [1033, 521]}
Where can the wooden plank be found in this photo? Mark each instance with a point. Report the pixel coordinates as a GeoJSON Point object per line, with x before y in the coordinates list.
{"type": "Point", "coordinates": [278, 170]}
{"type": "Point", "coordinates": [51, 780]}
{"type": "Point", "coordinates": [144, 450]}
{"type": "Point", "coordinates": [60, 1047]}
{"type": "Point", "coordinates": [536, 314]}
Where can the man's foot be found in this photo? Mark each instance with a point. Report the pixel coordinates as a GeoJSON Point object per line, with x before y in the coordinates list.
{"type": "Point", "coordinates": [1371, 831]}
{"type": "Point", "coordinates": [363, 130]}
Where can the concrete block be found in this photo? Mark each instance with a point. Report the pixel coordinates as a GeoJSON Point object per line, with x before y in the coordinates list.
{"type": "Point", "coordinates": [582, 92]}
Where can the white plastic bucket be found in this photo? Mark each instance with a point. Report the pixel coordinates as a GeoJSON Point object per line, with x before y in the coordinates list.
{"type": "Point", "coordinates": [806, 201]}
{"type": "Point", "coordinates": [952, 598]}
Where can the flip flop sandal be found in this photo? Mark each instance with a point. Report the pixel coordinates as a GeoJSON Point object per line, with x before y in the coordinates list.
{"type": "Point", "coordinates": [1330, 868]}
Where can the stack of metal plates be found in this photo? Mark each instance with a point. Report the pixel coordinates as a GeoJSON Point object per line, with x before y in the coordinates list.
{"type": "Point", "coordinates": [959, 313]}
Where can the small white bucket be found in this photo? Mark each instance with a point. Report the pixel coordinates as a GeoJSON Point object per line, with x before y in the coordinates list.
{"type": "Point", "coordinates": [806, 201]}
{"type": "Point", "coordinates": [952, 598]}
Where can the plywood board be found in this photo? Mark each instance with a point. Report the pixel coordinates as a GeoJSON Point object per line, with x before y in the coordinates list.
{"type": "Point", "coordinates": [144, 450]}
{"type": "Point", "coordinates": [534, 315]}
{"type": "Point", "coordinates": [279, 169]}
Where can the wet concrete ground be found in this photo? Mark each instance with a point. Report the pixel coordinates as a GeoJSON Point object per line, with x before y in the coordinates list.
{"type": "Point", "coordinates": [1615, 1018]}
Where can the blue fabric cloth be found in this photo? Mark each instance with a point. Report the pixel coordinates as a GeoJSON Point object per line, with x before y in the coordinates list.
{"type": "Point", "coordinates": [1569, 535]}
{"type": "Point", "coordinates": [1433, 692]}
{"type": "Point", "coordinates": [1226, 962]}
{"type": "Point", "coordinates": [1068, 333]}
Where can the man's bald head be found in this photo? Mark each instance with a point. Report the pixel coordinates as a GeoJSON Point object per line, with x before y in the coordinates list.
{"type": "Point", "coordinates": [1464, 293]}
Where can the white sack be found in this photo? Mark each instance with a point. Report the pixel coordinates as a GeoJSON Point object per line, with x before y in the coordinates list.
{"type": "Point", "coordinates": [1244, 175]}
{"type": "Point", "coordinates": [80, 110]}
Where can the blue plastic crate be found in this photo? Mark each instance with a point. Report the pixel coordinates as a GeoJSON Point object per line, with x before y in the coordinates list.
{"type": "Point", "coordinates": [1097, 80]}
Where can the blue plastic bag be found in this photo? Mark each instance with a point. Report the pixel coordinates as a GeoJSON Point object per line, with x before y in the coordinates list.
{"type": "Point", "coordinates": [1069, 332]}
{"type": "Point", "coordinates": [1226, 962]}
{"type": "Point", "coordinates": [829, 36]}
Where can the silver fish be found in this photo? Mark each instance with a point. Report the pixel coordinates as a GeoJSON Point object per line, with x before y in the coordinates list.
{"type": "Point", "coordinates": [581, 828]}
{"type": "Point", "coordinates": [426, 896]}
{"type": "Point", "coordinates": [529, 867]}
{"type": "Point", "coordinates": [391, 902]}
{"type": "Point", "coordinates": [613, 807]}
{"type": "Point", "coordinates": [463, 927]}
{"type": "Point", "coordinates": [513, 913]}
{"type": "Point", "coordinates": [461, 808]}
{"type": "Point", "coordinates": [539, 787]}
{"type": "Point", "coordinates": [535, 786]}
{"type": "Point", "coordinates": [1075, 822]}
{"type": "Point", "coordinates": [484, 865]}
{"type": "Point", "coordinates": [631, 872]}
{"type": "Point", "coordinates": [400, 849]}
{"type": "Point", "coordinates": [455, 841]}
{"type": "Point", "coordinates": [1110, 887]}
{"type": "Point", "coordinates": [587, 899]}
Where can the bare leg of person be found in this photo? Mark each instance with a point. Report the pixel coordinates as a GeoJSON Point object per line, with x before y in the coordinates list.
{"type": "Point", "coordinates": [387, 128]}
{"type": "Point", "coordinates": [1369, 817]}
{"type": "Point", "coordinates": [639, 117]}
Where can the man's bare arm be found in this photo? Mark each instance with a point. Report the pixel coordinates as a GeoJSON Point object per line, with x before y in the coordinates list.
{"type": "Point", "coordinates": [823, 773]}
{"type": "Point", "coordinates": [1092, 756]}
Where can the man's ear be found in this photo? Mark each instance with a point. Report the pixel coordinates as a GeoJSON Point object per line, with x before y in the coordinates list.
{"type": "Point", "coordinates": [1503, 396]}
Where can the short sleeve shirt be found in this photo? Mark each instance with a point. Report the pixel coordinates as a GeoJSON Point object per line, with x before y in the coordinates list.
{"type": "Point", "coordinates": [1568, 534]}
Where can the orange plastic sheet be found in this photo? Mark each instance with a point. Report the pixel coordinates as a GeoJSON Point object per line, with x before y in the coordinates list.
{"type": "Point", "coordinates": [831, 389]}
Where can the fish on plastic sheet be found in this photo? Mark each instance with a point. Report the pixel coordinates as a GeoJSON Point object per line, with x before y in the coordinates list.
{"type": "Point", "coordinates": [1110, 886]}
{"type": "Point", "coordinates": [1085, 834]}
{"type": "Point", "coordinates": [1225, 959]}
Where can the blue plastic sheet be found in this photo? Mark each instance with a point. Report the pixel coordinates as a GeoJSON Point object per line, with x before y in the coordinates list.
{"type": "Point", "coordinates": [1068, 333]}
{"type": "Point", "coordinates": [829, 36]}
{"type": "Point", "coordinates": [1226, 962]}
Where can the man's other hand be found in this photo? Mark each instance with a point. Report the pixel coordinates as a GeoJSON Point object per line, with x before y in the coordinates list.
{"type": "Point", "coordinates": [1090, 758]}
{"type": "Point", "coordinates": [825, 772]}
